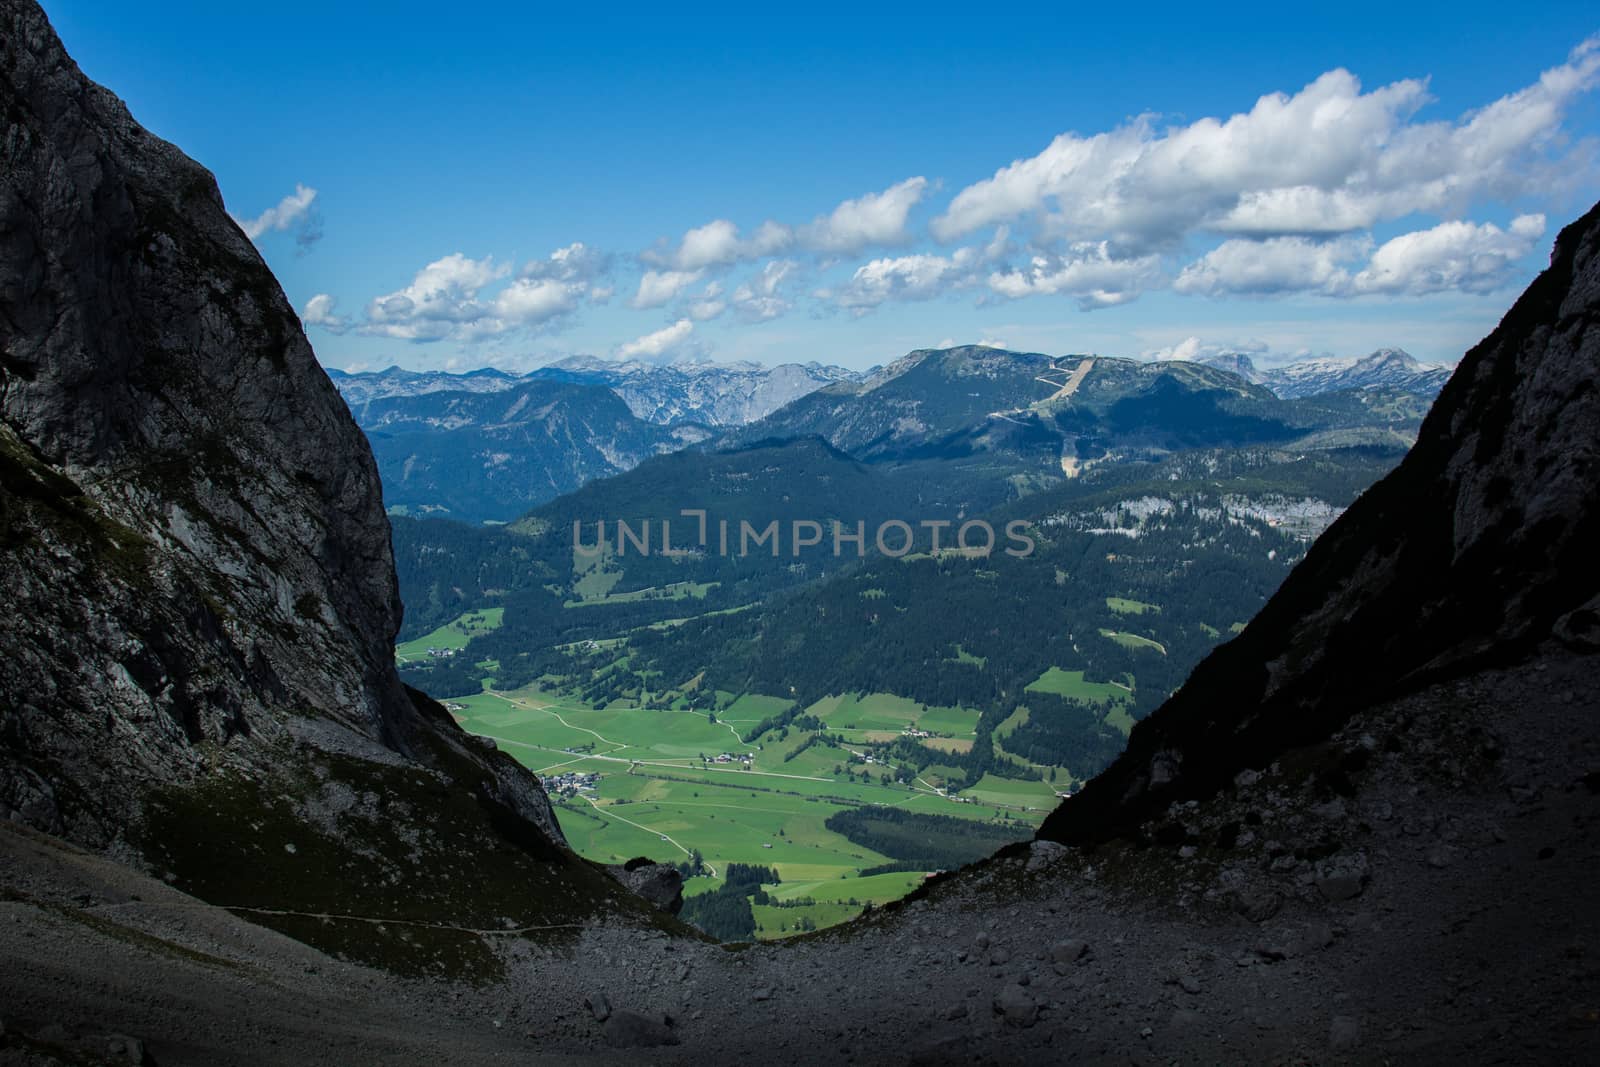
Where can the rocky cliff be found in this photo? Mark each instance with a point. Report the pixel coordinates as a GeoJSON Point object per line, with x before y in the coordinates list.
{"type": "Point", "coordinates": [196, 663]}
{"type": "Point", "coordinates": [1476, 548]}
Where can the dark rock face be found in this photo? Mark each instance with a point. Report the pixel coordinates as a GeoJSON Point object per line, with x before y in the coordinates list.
{"type": "Point", "coordinates": [1477, 547]}
{"type": "Point", "coordinates": [197, 561]}
{"type": "Point", "coordinates": [659, 883]}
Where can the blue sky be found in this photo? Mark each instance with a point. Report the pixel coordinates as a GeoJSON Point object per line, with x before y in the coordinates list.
{"type": "Point", "coordinates": [481, 184]}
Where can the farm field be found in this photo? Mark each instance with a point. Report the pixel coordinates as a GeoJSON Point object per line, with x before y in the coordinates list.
{"type": "Point", "coordinates": [662, 792]}
{"type": "Point", "coordinates": [1070, 684]}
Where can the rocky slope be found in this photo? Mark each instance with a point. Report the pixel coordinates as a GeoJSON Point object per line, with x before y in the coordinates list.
{"type": "Point", "coordinates": [196, 663]}
{"type": "Point", "coordinates": [1476, 548]}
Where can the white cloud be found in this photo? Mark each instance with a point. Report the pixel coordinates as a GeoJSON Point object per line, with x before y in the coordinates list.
{"type": "Point", "coordinates": [914, 277]}
{"type": "Point", "coordinates": [657, 344]}
{"type": "Point", "coordinates": [530, 302]}
{"type": "Point", "coordinates": [296, 212]}
{"type": "Point", "coordinates": [576, 262]}
{"type": "Point", "coordinates": [1272, 266]}
{"type": "Point", "coordinates": [319, 311]}
{"type": "Point", "coordinates": [1329, 159]}
{"type": "Point", "coordinates": [658, 287]}
{"type": "Point", "coordinates": [873, 219]}
{"type": "Point", "coordinates": [1193, 349]}
{"type": "Point", "coordinates": [441, 301]}
{"type": "Point", "coordinates": [717, 244]}
{"type": "Point", "coordinates": [761, 298]}
{"type": "Point", "coordinates": [1452, 256]}
{"type": "Point", "coordinates": [446, 299]}
{"type": "Point", "coordinates": [709, 304]}
{"type": "Point", "coordinates": [1087, 271]}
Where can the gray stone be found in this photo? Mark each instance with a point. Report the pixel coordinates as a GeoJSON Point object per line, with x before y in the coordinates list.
{"type": "Point", "coordinates": [1344, 1032]}
{"type": "Point", "coordinates": [763, 993]}
{"type": "Point", "coordinates": [599, 1006]}
{"type": "Point", "coordinates": [659, 883]}
{"type": "Point", "coordinates": [1017, 1006]}
{"type": "Point", "coordinates": [1068, 951]}
{"type": "Point", "coordinates": [628, 1029]}
{"type": "Point", "coordinates": [1340, 885]}
{"type": "Point", "coordinates": [1189, 984]}
{"type": "Point", "coordinates": [1042, 854]}
{"type": "Point", "coordinates": [1256, 904]}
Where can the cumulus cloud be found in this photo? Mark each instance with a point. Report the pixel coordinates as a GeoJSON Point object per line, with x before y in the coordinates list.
{"type": "Point", "coordinates": [873, 219]}
{"type": "Point", "coordinates": [441, 301]}
{"type": "Point", "coordinates": [1330, 159]}
{"type": "Point", "coordinates": [1087, 271]}
{"type": "Point", "coordinates": [576, 262]}
{"type": "Point", "coordinates": [1452, 256]}
{"type": "Point", "coordinates": [447, 298]}
{"type": "Point", "coordinates": [660, 343]}
{"type": "Point", "coordinates": [658, 287]}
{"type": "Point", "coordinates": [319, 311]}
{"type": "Point", "coordinates": [718, 243]}
{"type": "Point", "coordinates": [914, 277]}
{"type": "Point", "coordinates": [296, 212]}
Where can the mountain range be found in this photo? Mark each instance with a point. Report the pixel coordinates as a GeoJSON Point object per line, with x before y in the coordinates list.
{"type": "Point", "coordinates": [484, 456]}
{"type": "Point", "coordinates": [1387, 368]}
{"type": "Point", "coordinates": [667, 394]}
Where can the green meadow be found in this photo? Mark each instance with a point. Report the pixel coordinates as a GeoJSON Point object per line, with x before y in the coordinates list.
{"type": "Point", "coordinates": [662, 793]}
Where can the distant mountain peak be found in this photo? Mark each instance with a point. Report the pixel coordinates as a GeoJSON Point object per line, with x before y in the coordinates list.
{"type": "Point", "coordinates": [1390, 368]}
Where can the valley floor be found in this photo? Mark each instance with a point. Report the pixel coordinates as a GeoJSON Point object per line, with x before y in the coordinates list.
{"type": "Point", "coordinates": [1442, 911]}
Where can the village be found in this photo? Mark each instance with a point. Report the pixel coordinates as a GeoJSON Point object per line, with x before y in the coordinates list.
{"type": "Point", "coordinates": [571, 783]}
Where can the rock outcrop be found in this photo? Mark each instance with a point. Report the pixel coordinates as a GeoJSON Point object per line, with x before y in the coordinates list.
{"type": "Point", "coordinates": [196, 658]}
{"type": "Point", "coordinates": [1476, 548]}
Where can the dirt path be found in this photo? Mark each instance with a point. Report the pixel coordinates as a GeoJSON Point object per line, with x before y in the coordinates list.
{"type": "Point", "coordinates": [640, 826]}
